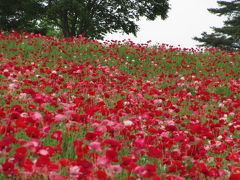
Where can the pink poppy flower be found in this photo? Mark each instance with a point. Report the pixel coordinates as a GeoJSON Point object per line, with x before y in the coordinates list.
{"type": "Point", "coordinates": [95, 146]}
{"type": "Point", "coordinates": [36, 116]}
{"type": "Point", "coordinates": [59, 117]}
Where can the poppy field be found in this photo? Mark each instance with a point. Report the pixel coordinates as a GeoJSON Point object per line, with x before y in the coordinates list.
{"type": "Point", "coordinates": [74, 108]}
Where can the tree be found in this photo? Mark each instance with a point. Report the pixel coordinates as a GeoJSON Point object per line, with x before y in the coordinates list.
{"type": "Point", "coordinates": [227, 37]}
{"type": "Point", "coordinates": [21, 15]}
{"type": "Point", "coordinates": [94, 18]}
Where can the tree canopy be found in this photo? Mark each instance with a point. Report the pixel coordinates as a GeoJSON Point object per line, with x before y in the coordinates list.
{"type": "Point", "coordinates": [21, 15]}
{"type": "Point", "coordinates": [93, 18]}
{"type": "Point", "coordinates": [228, 36]}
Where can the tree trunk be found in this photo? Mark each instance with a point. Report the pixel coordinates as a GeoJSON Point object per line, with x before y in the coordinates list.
{"type": "Point", "coordinates": [65, 25]}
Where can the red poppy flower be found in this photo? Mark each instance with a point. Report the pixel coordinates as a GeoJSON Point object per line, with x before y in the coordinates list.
{"type": "Point", "coordinates": [64, 162]}
{"type": "Point", "coordinates": [27, 165]}
{"type": "Point", "coordinates": [17, 108]}
{"type": "Point", "coordinates": [43, 161]}
{"type": "Point", "coordinates": [90, 136]}
{"type": "Point", "coordinates": [150, 171]}
{"type": "Point", "coordinates": [234, 176]}
{"type": "Point", "coordinates": [15, 115]}
{"type": "Point", "coordinates": [154, 152]}
{"type": "Point", "coordinates": [113, 143]}
{"type": "Point", "coordinates": [57, 135]}
{"type": "Point", "coordinates": [112, 155]}
{"type": "Point", "coordinates": [101, 175]}
{"type": "Point", "coordinates": [9, 169]}
{"type": "Point", "coordinates": [20, 153]}
{"type": "Point", "coordinates": [87, 166]}
{"type": "Point", "coordinates": [32, 132]}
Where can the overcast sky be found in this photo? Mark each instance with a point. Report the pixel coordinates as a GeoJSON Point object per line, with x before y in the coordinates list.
{"type": "Point", "coordinates": [186, 19]}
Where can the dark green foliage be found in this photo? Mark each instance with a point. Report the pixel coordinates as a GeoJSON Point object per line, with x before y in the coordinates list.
{"type": "Point", "coordinates": [21, 15]}
{"type": "Point", "coordinates": [93, 18]}
{"type": "Point", "coordinates": [228, 36]}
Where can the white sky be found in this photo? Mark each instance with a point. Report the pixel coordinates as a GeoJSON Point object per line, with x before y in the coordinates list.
{"type": "Point", "coordinates": [186, 19]}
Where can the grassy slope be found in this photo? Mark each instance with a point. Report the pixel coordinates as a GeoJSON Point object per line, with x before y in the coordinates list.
{"type": "Point", "coordinates": [112, 73]}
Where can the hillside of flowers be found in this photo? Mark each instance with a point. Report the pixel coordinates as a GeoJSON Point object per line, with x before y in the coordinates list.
{"type": "Point", "coordinates": [78, 109]}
